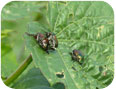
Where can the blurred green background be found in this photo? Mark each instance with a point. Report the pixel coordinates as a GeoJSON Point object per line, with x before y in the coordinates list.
{"type": "Point", "coordinates": [15, 18]}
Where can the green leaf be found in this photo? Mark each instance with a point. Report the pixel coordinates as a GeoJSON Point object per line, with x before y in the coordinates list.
{"type": "Point", "coordinates": [11, 11]}
{"type": "Point", "coordinates": [32, 79]}
{"type": "Point", "coordinates": [85, 26]}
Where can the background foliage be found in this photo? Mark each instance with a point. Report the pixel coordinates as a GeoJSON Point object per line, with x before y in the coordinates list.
{"type": "Point", "coordinates": [86, 26]}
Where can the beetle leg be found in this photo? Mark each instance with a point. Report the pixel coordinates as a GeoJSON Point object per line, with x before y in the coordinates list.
{"type": "Point", "coordinates": [47, 51]}
{"type": "Point", "coordinates": [47, 48]}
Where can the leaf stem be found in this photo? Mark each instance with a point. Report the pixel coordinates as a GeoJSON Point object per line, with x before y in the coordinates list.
{"type": "Point", "coordinates": [19, 70]}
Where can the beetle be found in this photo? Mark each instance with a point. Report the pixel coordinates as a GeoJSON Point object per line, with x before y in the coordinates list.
{"type": "Point", "coordinates": [53, 42]}
{"type": "Point", "coordinates": [47, 41]}
{"type": "Point", "coordinates": [41, 39]}
{"type": "Point", "coordinates": [77, 56]}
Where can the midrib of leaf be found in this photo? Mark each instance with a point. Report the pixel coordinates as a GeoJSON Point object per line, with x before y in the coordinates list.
{"type": "Point", "coordinates": [67, 69]}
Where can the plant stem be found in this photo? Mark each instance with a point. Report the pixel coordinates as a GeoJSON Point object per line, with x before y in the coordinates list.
{"type": "Point", "coordinates": [19, 70]}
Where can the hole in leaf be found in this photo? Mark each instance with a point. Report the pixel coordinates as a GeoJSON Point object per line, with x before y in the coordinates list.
{"type": "Point", "coordinates": [59, 85]}
{"type": "Point", "coordinates": [60, 74]}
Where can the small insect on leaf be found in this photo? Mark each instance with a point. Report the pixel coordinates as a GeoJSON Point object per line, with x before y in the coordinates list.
{"type": "Point", "coordinates": [77, 56]}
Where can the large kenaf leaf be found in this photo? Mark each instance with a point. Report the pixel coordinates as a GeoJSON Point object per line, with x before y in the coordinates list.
{"type": "Point", "coordinates": [86, 26]}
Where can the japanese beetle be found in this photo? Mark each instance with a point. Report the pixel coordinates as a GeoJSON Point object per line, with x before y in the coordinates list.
{"type": "Point", "coordinates": [41, 39]}
{"type": "Point", "coordinates": [47, 42]}
{"type": "Point", "coordinates": [53, 42]}
{"type": "Point", "coordinates": [77, 56]}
